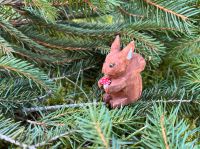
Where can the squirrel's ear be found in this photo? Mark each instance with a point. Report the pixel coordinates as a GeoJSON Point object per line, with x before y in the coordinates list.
{"type": "Point", "coordinates": [127, 52]}
{"type": "Point", "coordinates": [115, 47]}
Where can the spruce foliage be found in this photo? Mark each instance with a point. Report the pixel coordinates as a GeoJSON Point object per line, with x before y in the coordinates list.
{"type": "Point", "coordinates": [51, 53]}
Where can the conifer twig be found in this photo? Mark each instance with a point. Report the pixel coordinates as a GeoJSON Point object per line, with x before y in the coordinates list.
{"type": "Point", "coordinates": [63, 77]}
{"type": "Point", "coordinates": [94, 8]}
{"type": "Point", "coordinates": [39, 98]}
{"type": "Point", "coordinates": [8, 139]}
{"type": "Point", "coordinates": [98, 128]}
{"type": "Point", "coordinates": [79, 105]}
{"type": "Point", "coordinates": [129, 14]}
{"type": "Point", "coordinates": [22, 3]}
{"type": "Point", "coordinates": [166, 10]}
{"type": "Point", "coordinates": [52, 139]}
{"type": "Point", "coordinates": [164, 131]}
{"type": "Point", "coordinates": [42, 123]}
{"type": "Point", "coordinates": [34, 109]}
{"type": "Point", "coordinates": [57, 46]}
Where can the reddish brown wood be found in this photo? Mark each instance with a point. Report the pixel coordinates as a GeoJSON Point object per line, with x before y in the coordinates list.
{"type": "Point", "coordinates": [123, 68]}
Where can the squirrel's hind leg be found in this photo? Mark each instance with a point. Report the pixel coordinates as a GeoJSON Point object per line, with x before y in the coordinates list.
{"type": "Point", "coordinates": [116, 103]}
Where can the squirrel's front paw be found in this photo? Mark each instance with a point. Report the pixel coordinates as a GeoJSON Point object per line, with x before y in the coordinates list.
{"type": "Point", "coordinates": [100, 84]}
{"type": "Point", "coordinates": [106, 88]}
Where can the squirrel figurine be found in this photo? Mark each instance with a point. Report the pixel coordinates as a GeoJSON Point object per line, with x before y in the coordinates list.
{"type": "Point", "coordinates": [122, 81]}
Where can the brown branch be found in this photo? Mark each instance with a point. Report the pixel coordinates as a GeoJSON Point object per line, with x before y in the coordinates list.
{"type": "Point", "coordinates": [101, 135]}
{"type": "Point", "coordinates": [63, 77]}
{"type": "Point", "coordinates": [56, 107]}
{"type": "Point", "coordinates": [164, 131]}
{"type": "Point", "coordinates": [94, 8]}
{"type": "Point", "coordinates": [67, 61]}
{"type": "Point", "coordinates": [80, 105]}
{"type": "Point", "coordinates": [19, 22]}
{"type": "Point", "coordinates": [28, 56]}
{"type": "Point", "coordinates": [25, 74]}
{"type": "Point", "coordinates": [58, 4]}
{"type": "Point", "coordinates": [64, 60]}
{"type": "Point", "coordinates": [43, 124]}
{"type": "Point", "coordinates": [19, 3]}
{"type": "Point", "coordinates": [53, 46]}
{"type": "Point", "coordinates": [36, 123]}
{"type": "Point", "coordinates": [10, 2]}
{"type": "Point", "coordinates": [167, 28]}
{"type": "Point", "coordinates": [166, 10]}
{"type": "Point", "coordinates": [129, 14]}
{"type": "Point", "coordinates": [14, 141]}
{"type": "Point", "coordinates": [67, 113]}
{"type": "Point", "coordinates": [139, 38]}
{"type": "Point", "coordinates": [57, 46]}
{"type": "Point", "coordinates": [52, 139]}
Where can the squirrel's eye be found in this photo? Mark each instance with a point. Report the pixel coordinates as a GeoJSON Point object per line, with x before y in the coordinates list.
{"type": "Point", "coordinates": [111, 65]}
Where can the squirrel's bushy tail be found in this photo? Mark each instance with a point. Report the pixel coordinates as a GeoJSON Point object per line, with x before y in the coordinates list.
{"type": "Point", "coordinates": [139, 62]}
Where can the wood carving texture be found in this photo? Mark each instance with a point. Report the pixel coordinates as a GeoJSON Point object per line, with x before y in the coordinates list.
{"type": "Point", "coordinates": [122, 68]}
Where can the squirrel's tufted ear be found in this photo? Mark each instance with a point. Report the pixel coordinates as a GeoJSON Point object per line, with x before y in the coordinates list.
{"type": "Point", "coordinates": [115, 47]}
{"type": "Point", "coordinates": [127, 52]}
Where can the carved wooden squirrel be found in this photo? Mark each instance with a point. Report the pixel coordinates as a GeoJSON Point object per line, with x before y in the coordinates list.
{"type": "Point", "coordinates": [122, 81]}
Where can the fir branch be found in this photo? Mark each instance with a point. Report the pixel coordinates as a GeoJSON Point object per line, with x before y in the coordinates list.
{"type": "Point", "coordinates": [164, 134]}
{"type": "Point", "coordinates": [37, 56]}
{"type": "Point", "coordinates": [55, 107]}
{"type": "Point", "coordinates": [97, 127]}
{"type": "Point", "coordinates": [147, 46]}
{"type": "Point", "coordinates": [55, 57]}
{"type": "Point", "coordinates": [45, 9]}
{"type": "Point", "coordinates": [100, 126]}
{"type": "Point", "coordinates": [11, 131]}
{"type": "Point", "coordinates": [58, 46]}
{"type": "Point", "coordinates": [166, 91]}
{"type": "Point", "coordinates": [149, 25]}
{"type": "Point", "coordinates": [29, 31]}
{"type": "Point", "coordinates": [29, 3]}
{"type": "Point", "coordinates": [72, 29]}
{"type": "Point", "coordinates": [66, 76]}
{"type": "Point", "coordinates": [41, 98]}
{"type": "Point", "coordinates": [192, 81]}
{"type": "Point", "coordinates": [12, 141]}
{"type": "Point", "coordinates": [184, 18]}
{"type": "Point", "coordinates": [188, 63]}
{"type": "Point", "coordinates": [52, 139]}
{"type": "Point", "coordinates": [19, 22]}
{"type": "Point", "coordinates": [188, 44]}
{"type": "Point", "coordinates": [94, 8]}
{"type": "Point", "coordinates": [10, 2]}
{"type": "Point", "coordinates": [23, 136]}
{"type": "Point", "coordinates": [176, 14]}
{"type": "Point", "coordinates": [19, 35]}
{"type": "Point", "coordinates": [174, 101]}
{"type": "Point", "coordinates": [129, 14]}
{"type": "Point", "coordinates": [64, 43]}
{"type": "Point", "coordinates": [16, 92]}
{"type": "Point", "coordinates": [43, 123]}
{"type": "Point", "coordinates": [83, 105]}
{"type": "Point", "coordinates": [27, 70]}
{"type": "Point", "coordinates": [177, 132]}
{"type": "Point", "coordinates": [5, 46]}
